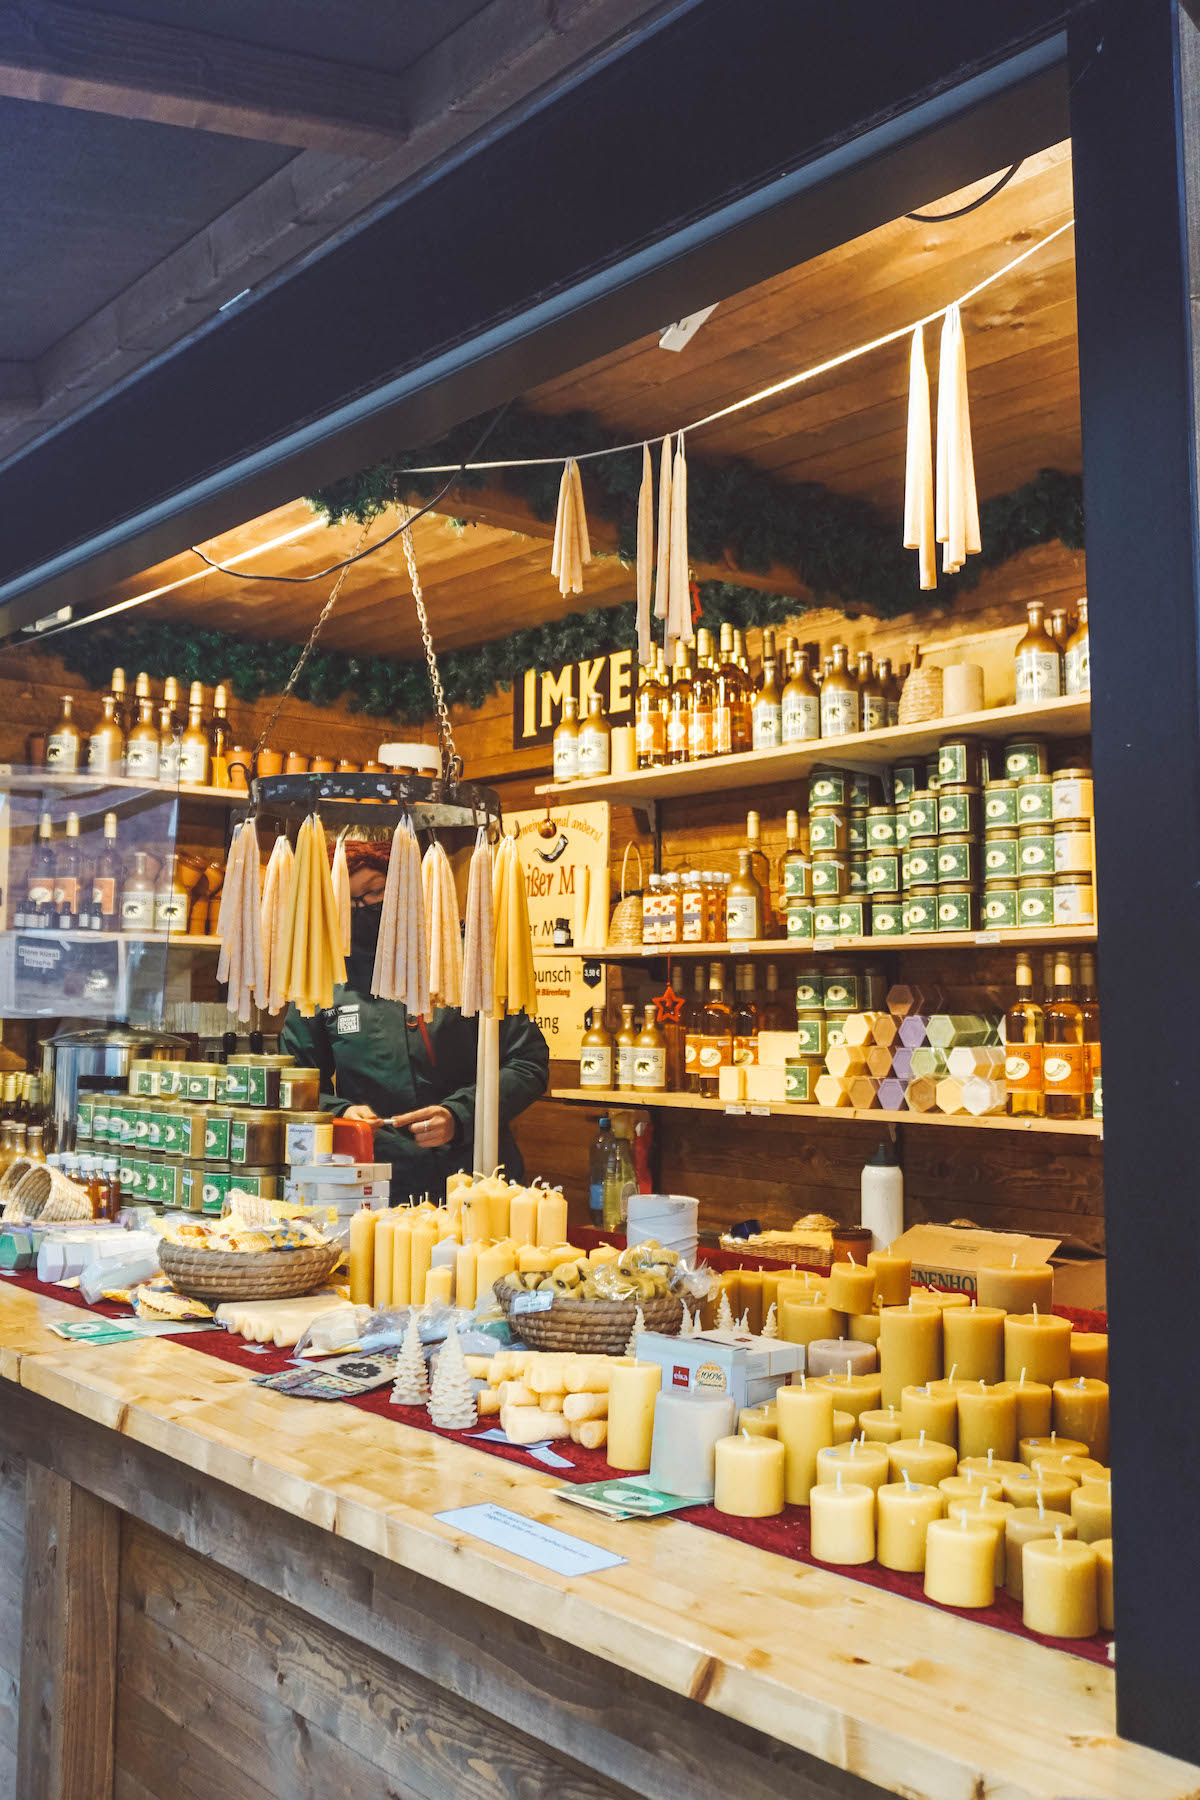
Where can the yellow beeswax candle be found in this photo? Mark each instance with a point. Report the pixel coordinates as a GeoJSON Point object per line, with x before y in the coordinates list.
{"type": "Point", "coordinates": [632, 1394]}
{"type": "Point", "coordinates": [750, 1475]}
{"type": "Point", "coordinates": [863, 1328]}
{"type": "Point", "coordinates": [1061, 1588]}
{"type": "Point", "coordinates": [1054, 1491]}
{"type": "Point", "coordinates": [552, 1221]}
{"type": "Point", "coordinates": [532, 1259]}
{"type": "Point", "coordinates": [424, 1237]}
{"type": "Point", "coordinates": [960, 1562]}
{"type": "Point", "coordinates": [1039, 1344]}
{"type": "Point", "coordinates": [492, 1262]}
{"type": "Point", "coordinates": [842, 1522]}
{"type": "Point", "coordinates": [906, 1510]}
{"type": "Point", "coordinates": [382, 1292]}
{"type": "Point", "coordinates": [986, 1510]}
{"type": "Point", "coordinates": [402, 1257]}
{"type": "Point", "coordinates": [969, 1487]}
{"type": "Point", "coordinates": [447, 1223]}
{"type": "Point", "coordinates": [989, 1467]}
{"type": "Point", "coordinates": [1091, 1509]}
{"type": "Point", "coordinates": [839, 1356]}
{"type": "Point", "coordinates": [851, 1288]}
{"type": "Point", "coordinates": [476, 1219]}
{"type": "Point", "coordinates": [802, 1323]}
{"type": "Point", "coordinates": [1026, 1525]}
{"type": "Point", "coordinates": [866, 1464]}
{"type": "Point", "coordinates": [974, 1342]}
{"type": "Point", "coordinates": [910, 1348]}
{"type": "Point", "coordinates": [750, 1290]}
{"type": "Point", "coordinates": [922, 1459]}
{"type": "Point", "coordinates": [1016, 1290]}
{"type": "Point", "coordinates": [687, 1428]}
{"type": "Point", "coordinates": [845, 1427]}
{"type": "Point", "coordinates": [893, 1277]}
{"type": "Point", "coordinates": [1081, 1411]}
{"type": "Point", "coordinates": [804, 1422]}
{"type": "Point", "coordinates": [1079, 1468]}
{"type": "Point", "coordinates": [465, 1275]}
{"type": "Point", "coordinates": [523, 1215]}
{"type": "Point", "coordinates": [759, 1421]}
{"type": "Point", "coordinates": [1089, 1355]}
{"type": "Point", "coordinates": [987, 1420]}
{"type": "Point", "coordinates": [499, 1200]}
{"type": "Point", "coordinates": [1034, 1406]}
{"type": "Point", "coordinates": [771, 1279]}
{"type": "Point", "coordinates": [941, 1298]}
{"type": "Point", "coordinates": [362, 1255]}
{"type": "Point", "coordinates": [1104, 1582]}
{"type": "Point", "coordinates": [1053, 1445]}
{"type": "Point", "coordinates": [881, 1426]}
{"type": "Point", "coordinates": [854, 1394]}
{"type": "Point", "coordinates": [926, 1409]}
{"type": "Point", "coordinates": [439, 1283]}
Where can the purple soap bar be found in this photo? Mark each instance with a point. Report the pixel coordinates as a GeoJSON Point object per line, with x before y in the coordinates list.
{"type": "Point", "coordinates": [912, 1031]}
{"type": "Point", "coordinates": [902, 1063]}
{"type": "Point", "coordinates": [891, 1095]}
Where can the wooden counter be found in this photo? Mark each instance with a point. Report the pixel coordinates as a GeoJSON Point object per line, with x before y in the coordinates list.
{"type": "Point", "coordinates": [227, 1591]}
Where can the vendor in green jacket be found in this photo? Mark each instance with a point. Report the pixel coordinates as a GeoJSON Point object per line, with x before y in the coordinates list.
{"type": "Point", "coordinates": [414, 1079]}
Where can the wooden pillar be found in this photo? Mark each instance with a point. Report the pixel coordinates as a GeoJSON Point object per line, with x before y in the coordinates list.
{"type": "Point", "coordinates": [69, 1641]}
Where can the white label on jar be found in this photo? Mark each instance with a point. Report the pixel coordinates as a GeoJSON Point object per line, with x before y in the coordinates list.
{"type": "Point", "coordinates": [101, 760]}
{"type": "Point", "coordinates": [1071, 799]}
{"type": "Point", "coordinates": [593, 751]}
{"type": "Point", "coordinates": [137, 912]}
{"type": "Point", "coordinates": [170, 912]}
{"type": "Point", "coordinates": [839, 713]}
{"type": "Point", "coordinates": [650, 1067]}
{"type": "Point", "coordinates": [768, 725]}
{"type": "Point", "coordinates": [62, 752]}
{"type": "Point", "coordinates": [741, 918]}
{"type": "Point", "coordinates": [1078, 669]}
{"type": "Point", "coordinates": [801, 718]}
{"type": "Point", "coordinates": [624, 1065]}
{"type": "Point", "coordinates": [1039, 675]}
{"type": "Point", "coordinates": [193, 763]}
{"type": "Point", "coordinates": [566, 759]}
{"type": "Point", "coordinates": [1073, 905]}
{"type": "Point", "coordinates": [595, 1066]}
{"type": "Point", "coordinates": [875, 713]}
{"type": "Point", "coordinates": [168, 761]}
{"type": "Point", "coordinates": [141, 758]}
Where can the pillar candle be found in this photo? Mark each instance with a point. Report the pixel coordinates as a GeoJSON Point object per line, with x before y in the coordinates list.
{"type": "Point", "coordinates": [942, 1298]}
{"type": "Point", "coordinates": [960, 1560]}
{"type": "Point", "coordinates": [922, 1409]}
{"type": "Point", "coordinates": [1061, 1588]}
{"type": "Point", "coordinates": [865, 1464]}
{"type": "Point", "coordinates": [402, 1257]}
{"type": "Point", "coordinates": [882, 1426]}
{"type": "Point", "coordinates": [477, 1219]}
{"type": "Point", "coordinates": [986, 1510]}
{"type": "Point", "coordinates": [1039, 1344]}
{"type": "Point", "coordinates": [1089, 1355]}
{"type": "Point", "coordinates": [551, 1217]}
{"type": "Point", "coordinates": [532, 1259]}
{"type": "Point", "coordinates": [842, 1523]}
{"type": "Point", "coordinates": [1026, 1525]}
{"type": "Point", "coordinates": [990, 1468]}
{"type": "Point", "coordinates": [863, 1328]}
{"type": "Point", "coordinates": [1079, 1468]}
{"type": "Point", "coordinates": [760, 1421]}
{"type": "Point", "coordinates": [906, 1510]}
{"type": "Point", "coordinates": [493, 1261]}
{"type": "Point", "coordinates": [845, 1427]}
{"type": "Point", "coordinates": [910, 1348]}
{"type": "Point", "coordinates": [987, 1420]}
{"type": "Point", "coordinates": [851, 1288]}
{"type": "Point", "coordinates": [687, 1427]}
{"type": "Point", "coordinates": [832, 1356]}
{"type": "Point", "coordinates": [384, 1230]}
{"type": "Point", "coordinates": [1104, 1582]}
{"type": "Point", "coordinates": [424, 1237]}
{"type": "Point", "coordinates": [1034, 1406]}
{"type": "Point", "coordinates": [800, 1323]}
{"type": "Point", "coordinates": [1050, 1446]}
{"type": "Point", "coordinates": [1016, 1290]}
{"type": "Point", "coordinates": [448, 1222]}
{"type": "Point", "coordinates": [749, 1479]}
{"type": "Point", "coordinates": [854, 1394]}
{"type": "Point", "coordinates": [750, 1286]}
{"type": "Point", "coordinates": [893, 1277]}
{"type": "Point", "coordinates": [362, 1255]}
{"type": "Point", "coordinates": [1054, 1491]}
{"type": "Point", "coordinates": [922, 1459]}
{"type": "Point", "coordinates": [803, 1287]}
{"type": "Point", "coordinates": [465, 1275]}
{"type": "Point", "coordinates": [1081, 1411]}
{"type": "Point", "coordinates": [439, 1284]}
{"type": "Point", "coordinates": [804, 1421]}
{"type": "Point", "coordinates": [523, 1216]}
{"type": "Point", "coordinates": [969, 1487]}
{"type": "Point", "coordinates": [974, 1342]}
{"type": "Point", "coordinates": [1091, 1509]}
{"type": "Point", "coordinates": [771, 1279]}
{"type": "Point", "coordinates": [632, 1394]}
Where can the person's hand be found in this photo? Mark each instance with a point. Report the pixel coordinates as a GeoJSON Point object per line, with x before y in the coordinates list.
{"type": "Point", "coordinates": [431, 1126]}
{"type": "Point", "coordinates": [362, 1112]}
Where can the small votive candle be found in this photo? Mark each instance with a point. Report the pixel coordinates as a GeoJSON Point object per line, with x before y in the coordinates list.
{"type": "Point", "coordinates": [760, 1421]}
{"type": "Point", "coordinates": [969, 1487]}
{"type": "Point", "coordinates": [1050, 1446]}
{"type": "Point", "coordinates": [881, 1426]}
{"type": "Point", "coordinates": [906, 1510]}
{"type": "Point", "coordinates": [987, 1420]}
{"type": "Point", "coordinates": [985, 1511]}
{"type": "Point", "coordinates": [1091, 1509]}
{"type": "Point", "coordinates": [866, 1465]}
{"type": "Point", "coordinates": [749, 1480]}
{"type": "Point", "coordinates": [1081, 1411]}
{"type": "Point", "coordinates": [924, 1458]}
{"type": "Point", "coordinates": [960, 1562]}
{"type": "Point", "coordinates": [1025, 1490]}
{"type": "Point", "coordinates": [842, 1522]}
{"type": "Point", "coordinates": [923, 1409]}
{"type": "Point", "coordinates": [851, 1288]}
{"type": "Point", "coordinates": [1061, 1588]}
{"type": "Point", "coordinates": [834, 1356]}
{"type": "Point", "coordinates": [845, 1427]}
{"type": "Point", "coordinates": [1026, 1525]}
{"type": "Point", "coordinates": [855, 1394]}
{"type": "Point", "coordinates": [893, 1277]}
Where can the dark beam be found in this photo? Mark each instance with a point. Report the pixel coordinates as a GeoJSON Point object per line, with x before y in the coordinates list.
{"type": "Point", "coordinates": [99, 62]}
{"type": "Point", "coordinates": [18, 390]}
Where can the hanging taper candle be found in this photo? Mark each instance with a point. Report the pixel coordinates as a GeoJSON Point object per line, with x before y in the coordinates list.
{"type": "Point", "coordinates": [662, 576]}
{"type": "Point", "coordinates": [645, 556]}
{"type": "Point", "coordinates": [571, 544]}
{"type": "Point", "coordinates": [918, 473]}
{"type": "Point", "coordinates": [957, 504]}
{"type": "Point", "coordinates": [679, 598]}
{"type": "Point", "coordinates": [479, 974]}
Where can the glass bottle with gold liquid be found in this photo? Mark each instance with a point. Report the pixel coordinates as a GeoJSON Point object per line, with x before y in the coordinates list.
{"type": "Point", "coordinates": [142, 744]}
{"type": "Point", "coordinates": [795, 865]}
{"type": "Point", "coordinates": [733, 723]}
{"type": "Point", "coordinates": [650, 1055]}
{"type": "Point", "coordinates": [700, 722]}
{"type": "Point", "coordinates": [741, 655]}
{"type": "Point", "coordinates": [871, 696]}
{"type": "Point", "coordinates": [1038, 660]}
{"type": "Point", "coordinates": [773, 1014]}
{"type": "Point", "coordinates": [171, 699]}
{"type": "Point", "coordinates": [39, 886]}
{"type": "Point", "coordinates": [675, 1032]}
{"type": "Point", "coordinates": [801, 703]}
{"type": "Point", "coordinates": [220, 736]}
{"type": "Point", "coordinates": [1064, 1067]}
{"type": "Point", "coordinates": [745, 1015]}
{"type": "Point", "coordinates": [194, 752]}
{"type": "Point", "coordinates": [1023, 1033]}
{"type": "Point", "coordinates": [694, 1029]}
{"type": "Point", "coordinates": [760, 868]}
{"type": "Point", "coordinates": [679, 714]}
{"type": "Point", "coordinates": [169, 734]}
{"type": "Point", "coordinates": [626, 1038]}
{"type": "Point", "coordinates": [68, 877]}
{"type": "Point", "coordinates": [716, 1032]}
{"type": "Point", "coordinates": [767, 708]}
{"type": "Point", "coordinates": [106, 745]}
{"type": "Point", "coordinates": [840, 707]}
{"type": "Point", "coordinates": [566, 741]}
{"type": "Point", "coordinates": [1077, 666]}
{"type": "Point", "coordinates": [595, 740]}
{"type": "Point", "coordinates": [1089, 1005]}
{"type": "Point", "coordinates": [64, 743]}
{"type": "Point", "coordinates": [891, 689]}
{"type": "Point", "coordinates": [106, 881]}
{"type": "Point", "coordinates": [650, 729]}
{"type": "Point", "coordinates": [595, 1052]}
{"type": "Point", "coordinates": [744, 906]}
{"type": "Point", "coordinates": [120, 709]}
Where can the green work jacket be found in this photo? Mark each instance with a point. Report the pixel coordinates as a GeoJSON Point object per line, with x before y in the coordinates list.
{"type": "Point", "coordinates": [370, 1053]}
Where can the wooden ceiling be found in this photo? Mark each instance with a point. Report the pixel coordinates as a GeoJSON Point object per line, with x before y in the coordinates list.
{"type": "Point", "coordinates": [845, 429]}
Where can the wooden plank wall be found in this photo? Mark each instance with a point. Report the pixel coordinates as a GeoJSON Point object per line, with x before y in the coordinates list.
{"type": "Point", "coordinates": [12, 1560]}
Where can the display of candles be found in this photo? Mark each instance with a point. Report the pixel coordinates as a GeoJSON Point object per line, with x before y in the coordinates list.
{"type": "Point", "coordinates": [749, 1476]}
{"type": "Point", "coordinates": [1061, 1587]}
{"type": "Point", "coordinates": [960, 1562]}
{"type": "Point", "coordinates": [686, 1429]}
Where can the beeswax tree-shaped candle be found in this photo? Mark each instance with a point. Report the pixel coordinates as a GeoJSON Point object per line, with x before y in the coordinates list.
{"type": "Point", "coordinates": [725, 1313]}
{"type": "Point", "coordinates": [452, 1396]}
{"type": "Point", "coordinates": [411, 1387]}
{"type": "Point", "coordinates": [770, 1324]}
{"type": "Point", "coordinates": [639, 1325]}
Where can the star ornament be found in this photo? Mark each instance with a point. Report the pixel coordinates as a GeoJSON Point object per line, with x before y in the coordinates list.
{"type": "Point", "coordinates": [668, 1007]}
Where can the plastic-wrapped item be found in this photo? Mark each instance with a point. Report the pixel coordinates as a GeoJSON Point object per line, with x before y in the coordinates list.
{"type": "Point", "coordinates": [138, 1262]}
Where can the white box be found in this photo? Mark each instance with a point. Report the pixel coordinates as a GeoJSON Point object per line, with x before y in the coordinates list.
{"type": "Point", "coordinates": [723, 1362]}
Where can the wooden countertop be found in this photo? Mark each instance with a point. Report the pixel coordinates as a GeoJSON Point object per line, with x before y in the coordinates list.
{"type": "Point", "coordinates": [923, 1703]}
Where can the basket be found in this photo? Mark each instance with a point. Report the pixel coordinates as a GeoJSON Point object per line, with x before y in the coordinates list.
{"type": "Point", "coordinates": [43, 1196]}
{"type": "Point", "coordinates": [589, 1327]}
{"type": "Point", "coordinates": [248, 1274]}
{"type": "Point", "coordinates": [921, 698]}
{"type": "Point", "coordinates": [625, 926]}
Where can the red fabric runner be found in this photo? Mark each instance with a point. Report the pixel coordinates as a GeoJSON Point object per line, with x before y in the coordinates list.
{"type": "Point", "coordinates": [785, 1535]}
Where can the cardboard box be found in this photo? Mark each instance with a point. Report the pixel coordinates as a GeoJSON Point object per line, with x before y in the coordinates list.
{"type": "Point", "coordinates": [723, 1362]}
{"type": "Point", "coordinates": [949, 1256]}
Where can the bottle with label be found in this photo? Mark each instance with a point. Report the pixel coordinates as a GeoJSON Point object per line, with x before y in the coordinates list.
{"type": "Point", "coordinates": [194, 753]}
{"type": "Point", "coordinates": [566, 742]}
{"type": "Point", "coordinates": [745, 1015]}
{"type": "Point", "coordinates": [650, 729]}
{"type": "Point", "coordinates": [679, 712]}
{"type": "Point", "coordinates": [700, 720]}
{"type": "Point", "coordinates": [598, 1156]}
{"type": "Point", "coordinates": [1058, 627]}
{"type": "Point", "coordinates": [768, 655]}
{"type": "Point", "coordinates": [767, 710]}
{"type": "Point", "coordinates": [691, 907]}
{"type": "Point", "coordinates": [839, 698]}
{"type": "Point", "coordinates": [674, 1029]}
{"type": "Point", "coordinates": [733, 725]}
{"type": "Point", "coordinates": [743, 905]}
{"type": "Point", "coordinates": [650, 1055]}
{"type": "Point", "coordinates": [881, 1189]}
{"type": "Point", "coordinates": [795, 865]}
{"type": "Point", "coordinates": [137, 896]}
{"type": "Point", "coordinates": [760, 868]}
{"type": "Point", "coordinates": [39, 890]}
{"type": "Point", "coordinates": [141, 746]}
{"type": "Point", "coordinates": [595, 1052]}
{"type": "Point", "coordinates": [64, 744]}
{"type": "Point", "coordinates": [891, 689]}
{"type": "Point", "coordinates": [1089, 1005]}
{"type": "Point", "coordinates": [170, 700]}
{"type": "Point", "coordinates": [1038, 660]}
{"type": "Point", "coordinates": [741, 656]}
{"type": "Point", "coordinates": [595, 740]}
{"type": "Point", "coordinates": [1023, 1035]}
{"type": "Point", "coordinates": [872, 698]}
{"type": "Point", "coordinates": [801, 703]}
{"type": "Point", "coordinates": [220, 736]}
{"type": "Point", "coordinates": [106, 745]}
{"type": "Point", "coordinates": [168, 745]}
{"type": "Point", "coordinates": [625, 1041]}
{"type": "Point", "coordinates": [117, 692]}
{"type": "Point", "coordinates": [716, 1031]}
{"type": "Point", "coordinates": [1064, 1067]}
{"type": "Point", "coordinates": [694, 1031]}
{"type": "Point", "coordinates": [620, 1181]}
{"type": "Point", "coordinates": [1077, 666]}
{"type": "Point", "coordinates": [106, 881]}
{"type": "Point", "coordinates": [773, 1014]}
{"type": "Point", "coordinates": [171, 901]}
{"type": "Point", "coordinates": [68, 886]}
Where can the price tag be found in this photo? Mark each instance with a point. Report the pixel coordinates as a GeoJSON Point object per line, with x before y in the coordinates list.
{"type": "Point", "coordinates": [736, 1110]}
{"type": "Point", "coordinates": [824, 943]}
{"type": "Point", "coordinates": [987, 937]}
{"type": "Point", "coordinates": [760, 1112]}
{"type": "Point", "coordinates": [537, 1301]}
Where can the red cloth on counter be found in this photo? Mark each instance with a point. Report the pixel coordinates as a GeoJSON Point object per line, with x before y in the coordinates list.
{"type": "Point", "coordinates": [785, 1535]}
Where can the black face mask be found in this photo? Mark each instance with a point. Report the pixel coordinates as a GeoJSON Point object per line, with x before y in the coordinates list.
{"type": "Point", "coordinates": [364, 932]}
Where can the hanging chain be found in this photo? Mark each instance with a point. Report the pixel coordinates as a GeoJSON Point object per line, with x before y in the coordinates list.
{"type": "Point", "coordinates": [451, 761]}
{"type": "Point", "coordinates": [311, 645]}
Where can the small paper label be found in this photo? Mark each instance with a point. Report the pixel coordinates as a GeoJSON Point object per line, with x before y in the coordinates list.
{"type": "Point", "coordinates": [987, 937]}
{"type": "Point", "coordinates": [530, 1540]}
{"type": "Point", "coordinates": [736, 1110]}
{"type": "Point", "coordinates": [535, 1302]}
{"type": "Point", "coordinates": [824, 943]}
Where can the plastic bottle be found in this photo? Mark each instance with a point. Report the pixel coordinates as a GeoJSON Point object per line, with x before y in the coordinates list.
{"type": "Point", "coordinates": [883, 1198]}
{"type": "Point", "coordinates": [619, 1182]}
{"type": "Point", "coordinates": [598, 1168]}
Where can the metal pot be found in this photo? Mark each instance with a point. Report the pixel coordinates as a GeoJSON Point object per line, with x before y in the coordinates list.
{"type": "Point", "coordinates": [97, 1061]}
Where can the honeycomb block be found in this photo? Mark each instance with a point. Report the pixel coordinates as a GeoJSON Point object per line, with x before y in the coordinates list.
{"type": "Point", "coordinates": [830, 1091]}
{"type": "Point", "coordinates": [860, 1028]}
{"type": "Point", "coordinates": [879, 1061]}
{"type": "Point", "coordinates": [950, 1095]}
{"type": "Point", "coordinates": [864, 1092]}
{"type": "Point", "coordinates": [846, 1061]}
{"type": "Point", "coordinates": [921, 1094]}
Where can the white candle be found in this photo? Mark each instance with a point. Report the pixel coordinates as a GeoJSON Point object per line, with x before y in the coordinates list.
{"type": "Point", "coordinates": [686, 1429]}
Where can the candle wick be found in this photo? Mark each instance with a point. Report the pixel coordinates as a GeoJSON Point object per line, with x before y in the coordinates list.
{"type": "Point", "coordinates": [1041, 1508]}
{"type": "Point", "coordinates": [1021, 1383]}
{"type": "Point", "coordinates": [953, 1367]}
{"type": "Point", "coordinates": [1036, 1320]}
{"type": "Point", "coordinates": [991, 1453]}
{"type": "Point", "coordinates": [921, 1441]}
{"type": "Point", "coordinates": [1058, 1536]}
{"type": "Point", "coordinates": [1014, 1260]}
{"type": "Point", "coordinates": [907, 1482]}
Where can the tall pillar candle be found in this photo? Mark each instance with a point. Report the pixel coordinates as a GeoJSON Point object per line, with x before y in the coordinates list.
{"type": "Point", "coordinates": [750, 1474]}
{"type": "Point", "coordinates": [800, 1323]}
{"type": "Point", "coordinates": [804, 1421]}
{"type": "Point", "coordinates": [855, 1394]}
{"type": "Point", "coordinates": [905, 1512]}
{"type": "Point", "coordinates": [1016, 1290]}
{"type": "Point", "coordinates": [384, 1230]}
{"type": "Point", "coordinates": [1089, 1355]}
{"type": "Point", "coordinates": [424, 1237]}
{"type": "Point", "coordinates": [466, 1290]}
{"type": "Point", "coordinates": [1091, 1509]}
{"type": "Point", "coordinates": [439, 1285]}
{"type": "Point", "coordinates": [881, 1426]}
{"type": "Point", "coordinates": [632, 1396]}
{"type": "Point", "coordinates": [1060, 1581]}
{"type": "Point", "coordinates": [1038, 1343]}
{"type": "Point", "coordinates": [493, 1262]}
{"type": "Point", "coordinates": [924, 1409]}
{"type": "Point", "coordinates": [974, 1342]}
{"type": "Point", "coordinates": [362, 1255]}
{"type": "Point", "coordinates": [1035, 1409]}
{"type": "Point", "coordinates": [750, 1293]}
{"type": "Point", "coordinates": [851, 1288]}
{"type": "Point", "coordinates": [1026, 1525]}
{"type": "Point", "coordinates": [910, 1348]}
{"type": "Point", "coordinates": [1104, 1582]}
{"type": "Point", "coordinates": [893, 1277]}
{"type": "Point", "coordinates": [551, 1217]}
{"type": "Point", "coordinates": [842, 1523]}
{"type": "Point", "coordinates": [855, 1462]}
{"type": "Point", "coordinates": [499, 1200]}
{"type": "Point", "coordinates": [477, 1219]}
{"type": "Point", "coordinates": [922, 1460]}
{"type": "Point", "coordinates": [402, 1258]}
{"type": "Point", "coordinates": [686, 1429]}
{"type": "Point", "coordinates": [987, 1420]}
{"type": "Point", "coordinates": [960, 1561]}
{"type": "Point", "coordinates": [839, 1356]}
{"type": "Point", "coordinates": [985, 1510]}
{"type": "Point", "coordinates": [1081, 1411]}
{"type": "Point", "coordinates": [522, 1216]}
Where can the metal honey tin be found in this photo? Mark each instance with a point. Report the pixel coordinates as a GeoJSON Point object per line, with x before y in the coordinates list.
{"type": "Point", "coordinates": [827, 830]}
{"type": "Point", "coordinates": [856, 833]}
{"type": "Point", "coordinates": [800, 1076]}
{"type": "Point", "coordinates": [826, 918]}
{"type": "Point", "coordinates": [1071, 795]}
{"type": "Point", "coordinates": [998, 910]}
{"type": "Point", "coordinates": [956, 860]}
{"type": "Point", "coordinates": [883, 874]}
{"type": "Point", "coordinates": [858, 875]}
{"type": "Point", "coordinates": [799, 916]}
{"type": "Point", "coordinates": [920, 911]}
{"type": "Point", "coordinates": [922, 814]}
{"type": "Point", "coordinates": [1035, 852]}
{"type": "Point", "coordinates": [1000, 806]}
{"type": "Point", "coordinates": [887, 918]}
{"type": "Point", "coordinates": [1074, 900]}
{"type": "Point", "coordinates": [810, 990]}
{"type": "Point", "coordinates": [1026, 756]}
{"type": "Point", "coordinates": [1073, 850]}
{"type": "Point", "coordinates": [957, 908]}
{"type": "Point", "coordinates": [1035, 800]}
{"type": "Point", "coordinates": [1035, 903]}
{"type": "Point", "coordinates": [906, 778]}
{"type": "Point", "coordinates": [881, 829]}
{"type": "Point", "coordinates": [828, 787]}
{"type": "Point", "coordinates": [852, 918]}
{"type": "Point", "coordinates": [958, 762]}
{"type": "Point", "coordinates": [919, 864]}
{"type": "Point", "coordinates": [865, 791]}
{"type": "Point", "coordinates": [959, 811]}
{"type": "Point", "coordinates": [829, 877]}
{"type": "Point", "coordinates": [843, 991]}
{"type": "Point", "coordinates": [1001, 859]}
{"type": "Point", "coordinates": [810, 1034]}
{"type": "Point", "coordinates": [902, 832]}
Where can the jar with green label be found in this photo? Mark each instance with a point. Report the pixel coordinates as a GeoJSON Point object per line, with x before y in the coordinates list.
{"type": "Point", "coordinates": [799, 918]}
{"type": "Point", "coordinates": [858, 875]}
{"type": "Point", "coordinates": [1074, 900]}
{"type": "Point", "coordinates": [83, 1120]}
{"type": "Point", "coordinates": [827, 830]}
{"type": "Point", "coordinates": [1035, 800]}
{"type": "Point", "coordinates": [865, 791]}
{"type": "Point", "coordinates": [906, 779]}
{"type": "Point", "coordinates": [202, 1083]}
{"type": "Point", "coordinates": [887, 918]}
{"type": "Point", "coordinates": [300, 1089]}
{"type": "Point", "coordinates": [134, 1177]}
{"type": "Point", "coordinates": [856, 833]}
{"type": "Point", "coordinates": [998, 911]}
{"type": "Point", "coordinates": [120, 1123]}
{"type": "Point", "coordinates": [1001, 858]}
{"type": "Point", "coordinates": [1035, 851]}
{"type": "Point", "coordinates": [835, 1031]}
{"type": "Point", "coordinates": [958, 762]}
{"type": "Point", "coordinates": [842, 991]}
{"type": "Point", "coordinates": [1071, 795]}
{"type": "Point", "coordinates": [919, 864]}
{"type": "Point", "coordinates": [956, 860]}
{"type": "Point", "coordinates": [852, 918]}
{"type": "Point", "coordinates": [191, 1185]}
{"type": "Point", "coordinates": [902, 832]}
{"type": "Point", "coordinates": [800, 1077]}
{"type": "Point", "coordinates": [100, 1111]}
{"type": "Point", "coordinates": [307, 1137]}
{"type": "Point", "coordinates": [920, 911]}
{"type": "Point", "coordinates": [881, 829]}
{"type": "Point", "coordinates": [185, 1132]}
{"type": "Point", "coordinates": [959, 811]}
{"type": "Point", "coordinates": [256, 1137]}
{"type": "Point", "coordinates": [1026, 756]}
{"type": "Point", "coordinates": [217, 1122]}
{"type": "Point", "coordinates": [1073, 850]}
{"type": "Point", "coordinates": [999, 806]}
{"type": "Point", "coordinates": [828, 787]}
{"type": "Point", "coordinates": [922, 814]}
{"type": "Point", "coordinates": [810, 990]}
{"type": "Point", "coordinates": [810, 1034]}
{"type": "Point", "coordinates": [829, 877]}
{"type": "Point", "coordinates": [883, 874]}
{"type": "Point", "coordinates": [156, 1131]}
{"type": "Point", "coordinates": [826, 918]}
{"type": "Point", "coordinates": [171, 1079]}
{"type": "Point", "coordinates": [1035, 903]}
{"type": "Point", "coordinates": [1097, 1095]}
{"type": "Point", "coordinates": [958, 908]}
{"type": "Point", "coordinates": [170, 1182]}
{"type": "Point", "coordinates": [143, 1077]}
{"type": "Point", "coordinates": [253, 1080]}
{"type": "Point", "coordinates": [797, 877]}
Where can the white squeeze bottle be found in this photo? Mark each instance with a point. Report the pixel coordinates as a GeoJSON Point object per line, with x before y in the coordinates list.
{"type": "Point", "coordinates": [883, 1198]}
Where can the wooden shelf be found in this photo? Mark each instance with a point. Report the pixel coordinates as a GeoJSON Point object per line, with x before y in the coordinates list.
{"type": "Point", "coordinates": [929, 940]}
{"type": "Point", "coordinates": [179, 942]}
{"type": "Point", "coordinates": [25, 780]}
{"type": "Point", "coordinates": [864, 750]}
{"type": "Point", "coordinates": [846, 1114]}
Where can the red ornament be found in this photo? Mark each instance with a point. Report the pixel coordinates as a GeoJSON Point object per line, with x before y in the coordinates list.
{"type": "Point", "coordinates": [668, 1007]}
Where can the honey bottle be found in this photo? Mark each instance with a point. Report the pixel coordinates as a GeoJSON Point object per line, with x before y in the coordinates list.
{"type": "Point", "coordinates": [733, 723]}
{"type": "Point", "coordinates": [674, 1029]}
{"type": "Point", "coordinates": [106, 745]}
{"type": "Point", "coordinates": [1064, 1065]}
{"type": "Point", "coordinates": [194, 753]}
{"type": "Point", "coordinates": [716, 1036]}
{"type": "Point", "coordinates": [801, 707]}
{"type": "Point", "coordinates": [700, 721]}
{"type": "Point", "coordinates": [170, 700]}
{"type": "Point", "coordinates": [566, 742]}
{"type": "Point", "coordinates": [1023, 1035]}
{"type": "Point", "coordinates": [745, 1015]}
{"type": "Point", "coordinates": [106, 881]}
{"type": "Point", "coordinates": [760, 868]}
{"type": "Point", "coordinates": [168, 744]}
{"type": "Point", "coordinates": [694, 1028]}
{"type": "Point", "coordinates": [679, 715]}
{"type": "Point", "coordinates": [220, 736]}
{"type": "Point", "coordinates": [839, 698]}
{"type": "Point", "coordinates": [141, 746]}
{"type": "Point", "coordinates": [68, 869]}
{"type": "Point", "coordinates": [595, 740]}
{"type": "Point", "coordinates": [1089, 1006]}
{"type": "Point", "coordinates": [795, 866]}
{"type": "Point", "coordinates": [39, 890]}
{"type": "Point", "coordinates": [137, 896]}
{"type": "Point", "coordinates": [773, 1014]}
{"type": "Point", "coordinates": [595, 1052]}
{"type": "Point", "coordinates": [650, 729]}
{"type": "Point", "coordinates": [650, 1055]}
{"type": "Point", "coordinates": [117, 694]}
{"type": "Point", "coordinates": [891, 689]}
{"type": "Point", "coordinates": [767, 709]}
{"type": "Point", "coordinates": [872, 698]}
{"type": "Point", "coordinates": [64, 744]}
{"type": "Point", "coordinates": [1038, 660]}
{"type": "Point", "coordinates": [625, 1040]}
{"type": "Point", "coordinates": [1077, 667]}
{"type": "Point", "coordinates": [744, 905]}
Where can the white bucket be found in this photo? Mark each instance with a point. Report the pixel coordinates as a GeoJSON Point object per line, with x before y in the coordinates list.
{"type": "Point", "coordinates": [671, 1219]}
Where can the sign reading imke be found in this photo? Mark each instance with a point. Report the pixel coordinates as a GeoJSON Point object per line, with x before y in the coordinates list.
{"type": "Point", "coordinates": [538, 696]}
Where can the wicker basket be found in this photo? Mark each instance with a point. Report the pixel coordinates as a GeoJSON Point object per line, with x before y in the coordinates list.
{"type": "Point", "coordinates": [625, 926]}
{"type": "Point", "coordinates": [44, 1196]}
{"type": "Point", "coordinates": [248, 1275]}
{"type": "Point", "coordinates": [921, 698]}
{"type": "Point", "coordinates": [590, 1327]}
